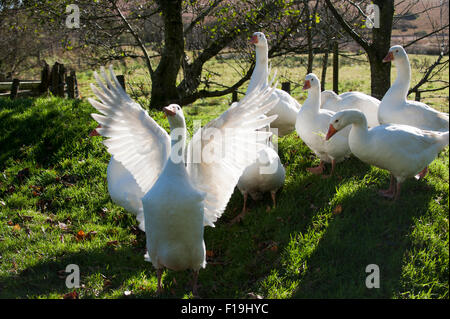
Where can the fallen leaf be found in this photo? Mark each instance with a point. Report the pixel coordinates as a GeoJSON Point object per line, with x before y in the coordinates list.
{"type": "Point", "coordinates": [209, 253]}
{"type": "Point", "coordinates": [80, 235]}
{"type": "Point", "coordinates": [71, 295]}
{"type": "Point", "coordinates": [106, 283]}
{"type": "Point", "coordinates": [10, 223]}
{"type": "Point", "coordinates": [16, 227]}
{"type": "Point", "coordinates": [337, 210]}
{"type": "Point", "coordinates": [112, 243]}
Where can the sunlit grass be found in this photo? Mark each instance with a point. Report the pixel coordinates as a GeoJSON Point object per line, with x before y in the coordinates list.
{"type": "Point", "coordinates": [315, 244]}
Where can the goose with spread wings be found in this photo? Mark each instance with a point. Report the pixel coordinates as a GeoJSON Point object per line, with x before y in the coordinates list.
{"type": "Point", "coordinates": [186, 187]}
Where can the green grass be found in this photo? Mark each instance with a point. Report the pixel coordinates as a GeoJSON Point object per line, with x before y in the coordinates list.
{"type": "Point", "coordinates": [53, 184]}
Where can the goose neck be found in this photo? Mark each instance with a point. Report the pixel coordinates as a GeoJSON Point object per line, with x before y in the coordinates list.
{"type": "Point", "coordinates": [177, 145]}
{"type": "Point", "coordinates": [312, 102]}
{"type": "Point", "coordinates": [403, 79]}
{"type": "Point", "coordinates": [359, 129]}
{"type": "Point", "coordinates": [261, 71]}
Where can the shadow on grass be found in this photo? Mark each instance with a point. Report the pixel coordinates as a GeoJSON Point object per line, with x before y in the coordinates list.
{"type": "Point", "coordinates": [246, 253]}
{"type": "Point", "coordinates": [27, 123]}
{"type": "Point", "coordinates": [369, 230]}
{"type": "Point", "coordinates": [113, 266]}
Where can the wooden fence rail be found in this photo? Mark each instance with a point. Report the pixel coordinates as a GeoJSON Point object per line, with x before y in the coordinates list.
{"type": "Point", "coordinates": [56, 80]}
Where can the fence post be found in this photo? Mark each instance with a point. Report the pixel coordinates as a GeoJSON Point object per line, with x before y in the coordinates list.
{"type": "Point", "coordinates": [14, 88]}
{"type": "Point", "coordinates": [70, 86]}
{"type": "Point", "coordinates": [336, 67]}
{"type": "Point", "coordinates": [54, 75]}
{"type": "Point", "coordinates": [61, 80]}
{"type": "Point", "coordinates": [45, 78]}
{"type": "Point", "coordinates": [234, 97]}
{"type": "Point", "coordinates": [121, 79]}
{"type": "Point", "coordinates": [286, 86]}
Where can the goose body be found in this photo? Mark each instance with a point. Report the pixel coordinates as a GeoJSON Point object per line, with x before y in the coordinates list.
{"type": "Point", "coordinates": [287, 107]}
{"type": "Point", "coordinates": [403, 150]}
{"type": "Point", "coordinates": [312, 125]}
{"type": "Point", "coordinates": [396, 109]}
{"type": "Point", "coordinates": [175, 227]}
{"type": "Point", "coordinates": [266, 174]}
{"type": "Point", "coordinates": [183, 193]}
{"type": "Point", "coordinates": [352, 100]}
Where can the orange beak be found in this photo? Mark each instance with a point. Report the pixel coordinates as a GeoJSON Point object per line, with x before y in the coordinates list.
{"type": "Point", "coordinates": [331, 132]}
{"type": "Point", "coordinates": [254, 39]}
{"type": "Point", "coordinates": [389, 57]}
{"type": "Point", "coordinates": [94, 132]}
{"type": "Point", "coordinates": [168, 111]}
{"type": "Point", "coordinates": [307, 85]}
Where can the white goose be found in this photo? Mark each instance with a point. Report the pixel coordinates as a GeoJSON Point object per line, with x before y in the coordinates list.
{"type": "Point", "coordinates": [312, 125]}
{"type": "Point", "coordinates": [352, 100]}
{"type": "Point", "coordinates": [266, 174]}
{"type": "Point", "coordinates": [287, 107]}
{"type": "Point", "coordinates": [401, 149]}
{"type": "Point", "coordinates": [181, 196]}
{"type": "Point", "coordinates": [395, 108]}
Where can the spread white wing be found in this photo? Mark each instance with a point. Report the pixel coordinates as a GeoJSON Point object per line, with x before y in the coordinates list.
{"type": "Point", "coordinates": [134, 138]}
{"type": "Point", "coordinates": [219, 152]}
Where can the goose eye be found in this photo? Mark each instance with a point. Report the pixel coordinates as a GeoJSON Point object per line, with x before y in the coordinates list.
{"type": "Point", "coordinates": [396, 51]}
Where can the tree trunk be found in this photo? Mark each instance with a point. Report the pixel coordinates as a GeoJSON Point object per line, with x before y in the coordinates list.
{"type": "Point", "coordinates": [380, 73]}
{"type": "Point", "coordinates": [324, 70]}
{"type": "Point", "coordinates": [381, 42]}
{"type": "Point", "coordinates": [309, 38]}
{"type": "Point", "coordinates": [164, 88]}
{"type": "Point", "coordinates": [336, 67]}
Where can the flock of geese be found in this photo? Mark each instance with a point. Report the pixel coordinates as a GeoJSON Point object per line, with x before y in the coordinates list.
{"type": "Point", "coordinates": [155, 175]}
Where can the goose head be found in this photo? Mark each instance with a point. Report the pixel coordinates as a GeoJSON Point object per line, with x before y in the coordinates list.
{"type": "Point", "coordinates": [311, 81]}
{"type": "Point", "coordinates": [396, 53]}
{"type": "Point", "coordinates": [342, 119]}
{"type": "Point", "coordinates": [175, 116]}
{"type": "Point", "coordinates": [259, 39]}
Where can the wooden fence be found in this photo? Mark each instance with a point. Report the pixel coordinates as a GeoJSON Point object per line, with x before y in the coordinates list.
{"type": "Point", "coordinates": [57, 80]}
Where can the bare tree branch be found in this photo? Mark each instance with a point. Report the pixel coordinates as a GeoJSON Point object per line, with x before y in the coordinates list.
{"type": "Point", "coordinates": [136, 36]}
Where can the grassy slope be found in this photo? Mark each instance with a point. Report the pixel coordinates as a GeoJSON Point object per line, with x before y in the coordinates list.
{"type": "Point", "coordinates": [306, 247]}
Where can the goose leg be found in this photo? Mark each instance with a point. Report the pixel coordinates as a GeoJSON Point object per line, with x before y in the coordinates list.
{"type": "Point", "coordinates": [390, 192]}
{"type": "Point", "coordinates": [318, 169]}
{"type": "Point", "coordinates": [159, 275]}
{"type": "Point", "coordinates": [397, 192]}
{"type": "Point", "coordinates": [333, 165]}
{"type": "Point", "coordinates": [194, 283]}
{"type": "Point", "coordinates": [273, 193]}
{"type": "Point", "coordinates": [244, 210]}
{"type": "Point", "coordinates": [422, 174]}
